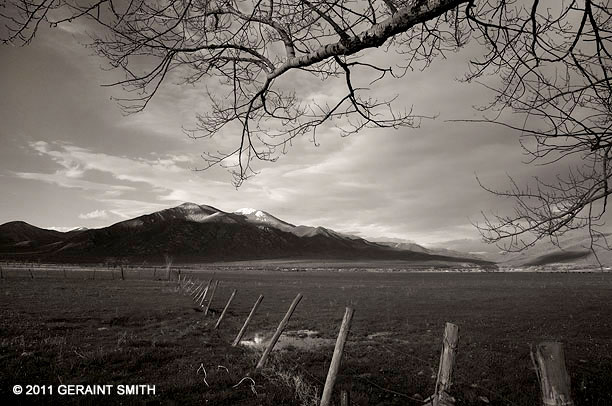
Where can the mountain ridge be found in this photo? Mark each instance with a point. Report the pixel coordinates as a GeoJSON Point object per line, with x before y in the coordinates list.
{"type": "Point", "coordinates": [200, 233]}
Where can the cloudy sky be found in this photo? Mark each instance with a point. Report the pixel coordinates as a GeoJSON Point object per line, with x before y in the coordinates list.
{"type": "Point", "coordinates": [70, 158]}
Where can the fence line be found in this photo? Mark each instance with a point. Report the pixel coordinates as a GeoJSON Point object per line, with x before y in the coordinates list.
{"type": "Point", "coordinates": [549, 359]}
{"type": "Point", "coordinates": [18, 270]}
{"type": "Point", "coordinates": [444, 380]}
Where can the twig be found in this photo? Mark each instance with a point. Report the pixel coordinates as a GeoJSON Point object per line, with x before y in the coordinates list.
{"type": "Point", "coordinates": [249, 379]}
{"type": "Point", "coordinates": [203, 369]}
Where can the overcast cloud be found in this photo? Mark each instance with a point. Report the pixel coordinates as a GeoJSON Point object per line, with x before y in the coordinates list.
{"type": "Point", "coordinates": [69, 158]}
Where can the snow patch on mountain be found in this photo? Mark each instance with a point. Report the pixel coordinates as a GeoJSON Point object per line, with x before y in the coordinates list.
{"type": "Point", "coordinates": [246, 211]}
{"type": "Point", "coordinates": [261, 217]}
{"type": "Point", "coordinates": [258, 214]}
{"type": "Point", "coordinates": [218, 217]}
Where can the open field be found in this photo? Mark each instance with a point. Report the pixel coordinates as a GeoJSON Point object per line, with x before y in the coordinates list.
{"type": "Point", "coordinates": [77, 330]}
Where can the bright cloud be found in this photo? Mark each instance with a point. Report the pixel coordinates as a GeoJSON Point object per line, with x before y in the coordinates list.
{"type": "Point", "coordinates": [89, 164]}
{"type": "Point", "coordinates": [96, 214]}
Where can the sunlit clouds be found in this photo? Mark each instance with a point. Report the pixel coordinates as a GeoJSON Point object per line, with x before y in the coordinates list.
{"type": "Point", "coordinates": [70, 157]}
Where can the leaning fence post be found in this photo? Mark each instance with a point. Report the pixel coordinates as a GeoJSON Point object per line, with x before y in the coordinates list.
{"type": "Point", "coordinates": [337, 357]}
{"type": "Point", "coordinates": [212, 295]}
{"type": "Point", "coordinates": [185, 284]}
{"type": "Point", "coordinates": [191, 287]}
{"type": "Point", "coordinates": [188, 286]}
{"type": "Point", "coordinates": [279, 331]}
{"type": "Point", "coordinates": [203, 295]}
{"type": "Point", "coordinates": [445, 370]}
{"type": "Point", "coordinates": [197, 291]}
{"type": "Point", "coordinates": [247, 321]}
{"type": "Point", "coordinates": [194, 290]}
{"type": "Point", "coordinates": [552, 374]}
{"type": "Point", "coordinates": [345, 398]}
{"type": "Point", "coordinates": [225, 309]}
{"type": "Point", "coordinates": [196, 294]}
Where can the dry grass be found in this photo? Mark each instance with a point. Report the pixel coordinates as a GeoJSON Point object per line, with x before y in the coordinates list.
{"type": "Point", "coordinates": [142, 331]}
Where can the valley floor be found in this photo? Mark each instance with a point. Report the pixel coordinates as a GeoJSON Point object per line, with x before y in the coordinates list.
{"type": "Point", "coordinates": [79, 330]}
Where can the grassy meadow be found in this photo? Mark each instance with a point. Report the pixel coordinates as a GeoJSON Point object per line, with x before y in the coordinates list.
{"type": "Point", "coordinates": [79, 330]}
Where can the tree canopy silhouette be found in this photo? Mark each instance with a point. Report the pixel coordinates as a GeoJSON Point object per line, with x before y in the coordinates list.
{"type": "Point", "coordinates": [552, 61]}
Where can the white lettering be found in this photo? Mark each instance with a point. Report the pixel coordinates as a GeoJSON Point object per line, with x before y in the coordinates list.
{"type": "Point", "coordinates": [82, 390]}
{"type": "Point", "coordinates": [135, 389]}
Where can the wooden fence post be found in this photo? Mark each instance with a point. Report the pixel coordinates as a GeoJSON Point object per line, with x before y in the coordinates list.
{"type": "Point", "coordinates": [279, 331]}
{"type": "Point", "coordinates": [345, 398]}
{"type": "Point", "coordinates": [552, 374]}
{"type": "Point", "coordinates": [203, 295]}
{"type": "Point", "coordinates": [122, 274]}
{"type": "Point", "coordinates": [190, 285]}
{"type": "Point", "coordinates": [445, 370]}
{"type": "Point", "coordinates": [187, 287]}
{"type": "Point", "coordinates": [202, 290]}
{"type": "Point", "coordinates": [212, 295]}
{"type": "Point", "coordinates": [197, 291]}
{"type": "Point", "coordinates": [194, 290]}
{"type": "Point", "coordinates": [1, 273]}
{"type": "Point", "coordinates": [334, 366]}
{"type": "Point", "coordinates": [227, 305]}
{"type": "Point", "coordinates": [184, 284]}
{"type": "Point", "coordinates": [31, 274]}
{"type": "Point", "coordinates": [247, 321]}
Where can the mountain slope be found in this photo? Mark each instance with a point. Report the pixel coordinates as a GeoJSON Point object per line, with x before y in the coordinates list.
{"type": "Point", "coordinates": [264, 218]}
{"type": "Point", "coordinates": [198, 233]}
{"type": "Point", "coordinates": [24, 236]}
{"type": "Point", "coordinates": [410, 246]}
{"type": "Point", "coordinates": [575, 249]}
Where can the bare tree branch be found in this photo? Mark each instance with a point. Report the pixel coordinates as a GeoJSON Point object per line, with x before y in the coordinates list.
{"type": "Point", "coordinates": [552, 63]}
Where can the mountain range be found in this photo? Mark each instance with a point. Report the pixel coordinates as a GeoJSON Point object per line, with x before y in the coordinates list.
{"type": "Point", "coordinates": [573, 248]}
{"type": "Point", "coordinates": [193, 233]}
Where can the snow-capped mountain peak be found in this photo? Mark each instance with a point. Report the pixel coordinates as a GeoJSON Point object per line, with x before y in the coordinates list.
{"type": "Point", "coordinates": [260, 216]}
{"type": "Point", "coordinates": [247, 211]}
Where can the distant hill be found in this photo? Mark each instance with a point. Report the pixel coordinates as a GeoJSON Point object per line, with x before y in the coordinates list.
{"type": "Point", "coordinates": [572, 249]}
{"type": "Point", "coordinates": [22, 234]}
{"type": "Point", "coordinates": [411, 246]}
{"type": "Point", "coordinates": [200, 233]}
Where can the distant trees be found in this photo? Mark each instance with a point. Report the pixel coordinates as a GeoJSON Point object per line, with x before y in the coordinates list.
{"type": "Point", "coordinates": [552, 59]}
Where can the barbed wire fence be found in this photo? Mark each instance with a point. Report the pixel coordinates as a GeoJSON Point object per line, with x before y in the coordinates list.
{"type": "Point", "coordinates": [202, 293]}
